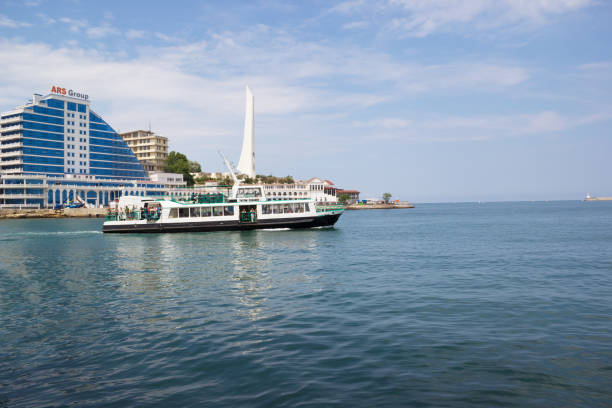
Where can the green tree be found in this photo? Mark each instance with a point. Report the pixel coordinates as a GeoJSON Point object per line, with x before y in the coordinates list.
{"type": "Point", "coordinates": [288, 180]}
{"type": "Point", "coordinates": [177, 163]}
{"type": "Point", "coordinates": [344, 198]}
{"type": "Point", "coordinates": [269, 179]}
{"type": "Point", "coordinates": [386, 197]}
{"type": "Point", "coordinates": [194, 167]}
{"type": "Point", "coordinates": [203, 179]}
{"type": "Point", "coordinates": [227, 181]}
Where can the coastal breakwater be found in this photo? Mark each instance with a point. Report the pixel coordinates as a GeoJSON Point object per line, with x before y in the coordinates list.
{"type": "Point", "coordinates": [12, 213]}
{"type": "Point", "coordinates": [377, 206]}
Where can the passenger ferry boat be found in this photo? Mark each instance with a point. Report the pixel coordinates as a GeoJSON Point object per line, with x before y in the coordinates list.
{"type": "Point", "coordinates": [244, 208]}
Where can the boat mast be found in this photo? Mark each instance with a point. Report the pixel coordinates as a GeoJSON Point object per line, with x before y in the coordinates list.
{"type": "Point", "coordinates": [231, 170]}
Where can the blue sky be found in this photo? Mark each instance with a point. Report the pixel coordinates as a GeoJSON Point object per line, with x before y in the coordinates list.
{"type": "Point", "coordinates": [431, 100]}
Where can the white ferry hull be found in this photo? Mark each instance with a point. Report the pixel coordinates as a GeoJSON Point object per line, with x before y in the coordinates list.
{"type": "Point", "coordinates": [306, 221]}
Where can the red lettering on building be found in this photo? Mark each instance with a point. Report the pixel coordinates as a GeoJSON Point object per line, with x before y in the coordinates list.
{"type": "Point", "coordinates": [58, 90]}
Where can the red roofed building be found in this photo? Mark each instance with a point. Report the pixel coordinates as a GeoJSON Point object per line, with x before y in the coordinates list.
{"type": "Point", "coordinates": [353, 195]}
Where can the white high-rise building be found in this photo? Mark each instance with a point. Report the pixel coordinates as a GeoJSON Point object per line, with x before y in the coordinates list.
{"type": "Point", "coordinates": [246, 164]}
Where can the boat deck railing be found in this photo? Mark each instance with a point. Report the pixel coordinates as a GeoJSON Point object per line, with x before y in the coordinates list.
{"type": "Point", "coordinates": [329, 208]}
{"type": "Point", "coordinates": [211, 198]}
{"type": "Point", "coordinates": [132, 215]}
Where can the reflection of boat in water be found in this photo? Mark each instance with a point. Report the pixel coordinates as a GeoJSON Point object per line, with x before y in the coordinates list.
{"type": "Point", "coordinates": [244, 208]}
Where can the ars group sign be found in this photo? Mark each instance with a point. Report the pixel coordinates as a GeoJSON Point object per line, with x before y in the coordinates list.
{"type": "Point", "coordinates": [62, 91]}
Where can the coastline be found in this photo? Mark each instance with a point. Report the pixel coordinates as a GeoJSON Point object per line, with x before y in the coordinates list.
{"type": "Point", "coordinates": [15, 213]}
{"type": "Point", "coordinates": [389, 206]}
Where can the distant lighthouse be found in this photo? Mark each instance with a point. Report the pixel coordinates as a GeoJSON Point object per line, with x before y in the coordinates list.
{"type": "Point", "coordinates": [246, 164]}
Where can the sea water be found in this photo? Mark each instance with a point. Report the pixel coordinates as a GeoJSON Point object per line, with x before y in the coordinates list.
{"type": "Point", "coordinates": [491, 304]}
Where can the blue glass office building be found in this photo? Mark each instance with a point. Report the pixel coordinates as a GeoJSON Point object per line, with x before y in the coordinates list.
{"type": "Point", "coordinates": [58, 140]}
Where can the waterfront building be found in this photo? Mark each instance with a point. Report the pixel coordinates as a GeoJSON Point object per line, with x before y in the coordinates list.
{"type": "Point", "coordinates": [353, 195]}
{"type": "Point", "coordinates": [55, 148]}
{"type": "Point", "coordinates": [150, 149]}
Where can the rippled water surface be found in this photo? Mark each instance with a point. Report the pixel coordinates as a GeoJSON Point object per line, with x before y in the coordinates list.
{"type": "Point", "coordinates": [502, 304]}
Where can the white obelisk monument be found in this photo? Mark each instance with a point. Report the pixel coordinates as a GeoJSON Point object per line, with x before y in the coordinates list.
{"type": "Point", "coordinates": [246, 164]}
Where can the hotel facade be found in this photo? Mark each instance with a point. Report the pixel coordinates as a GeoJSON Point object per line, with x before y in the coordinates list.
{"type": "Point", "coordinates": [55, 149]}
{"type": "Point", "coordinates": [150, 149]}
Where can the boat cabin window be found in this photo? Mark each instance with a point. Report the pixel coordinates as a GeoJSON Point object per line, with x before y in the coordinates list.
{"type": "Point", "coordinates": [246, 192]}
{"type": "Point", "coordinates": [289, 208]}
{"type": "Point", "coordinates": [195, 212]}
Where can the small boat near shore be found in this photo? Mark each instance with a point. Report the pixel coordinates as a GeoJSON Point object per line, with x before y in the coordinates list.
{"type": "Point", "coordinates": [244, 208]}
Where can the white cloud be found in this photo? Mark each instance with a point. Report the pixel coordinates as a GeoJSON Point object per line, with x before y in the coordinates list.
{"type": "Point", "coordinates": [193, 92]}
{"type": "Point", "coordinates": [349, 6]}
{"type": "Point", "coordinates": [420, 18]}
{"type": "Point", "coordinates": [596, 67]}
{"type": "Point", "coordinates": [547, 121]}
{"type": "Point", "coordinates": [355, 25]}
{"type": "Point", "coordinates": [385, 123]}
{"type": "Point", "coordinates": [74, 25]}
{"type": "Point", "coordinates": [165, 37]}
{"type": "Point", "coordinates": [135, 34]}
{"type": "Point", "coordinates": [33, 3]}
{"type": "Point", "coordinates": [8, 23]}
{"type": "Point", "coordinates": [457, 128]}
{"type": "Point", "coordinates": [46, 19]}
{"type": "Point", "coordinates": [281, 70]}
{"type": "Point", "coordinates": [101, 31]}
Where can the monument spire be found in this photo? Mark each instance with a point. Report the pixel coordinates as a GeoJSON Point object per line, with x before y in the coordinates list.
{"type": "Point", "coordinates": [246, 164]}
